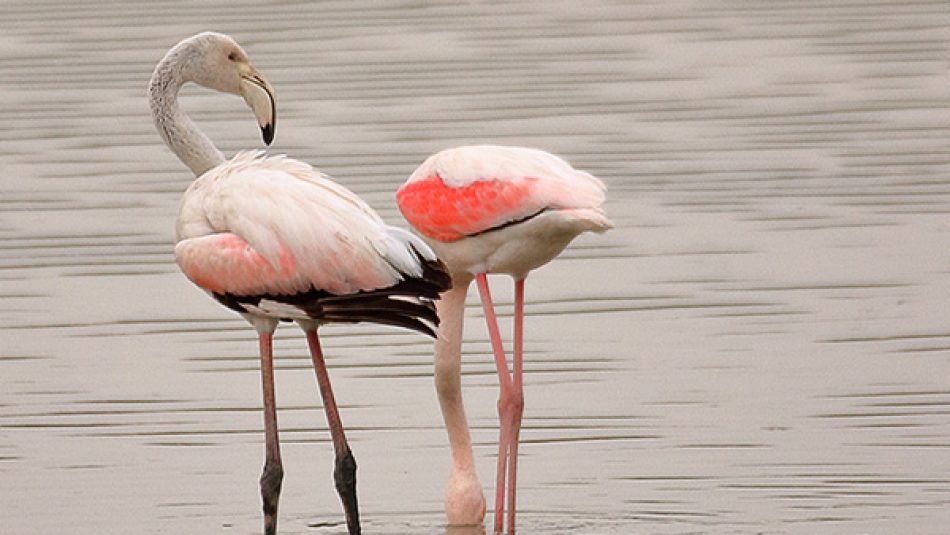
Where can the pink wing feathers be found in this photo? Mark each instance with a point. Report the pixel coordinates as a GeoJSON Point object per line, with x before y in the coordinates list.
{"type": "Point", "coordinates": [226, 263]}
{"type": "Point", "coordinates": [274, 226]}
{"type": "Point", "coordinates": [467, 190]}
{"type": "Point", "coordinates": [448, 213]}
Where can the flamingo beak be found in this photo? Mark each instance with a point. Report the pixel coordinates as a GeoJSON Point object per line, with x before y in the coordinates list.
{"type": "Point", "coordinates": [259, 95]}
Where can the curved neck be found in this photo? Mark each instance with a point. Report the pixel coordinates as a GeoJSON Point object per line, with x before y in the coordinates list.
{"type": "Point", "coordinates": [448, 379]}
{"type": "Point", "coordinates": [180, 133]}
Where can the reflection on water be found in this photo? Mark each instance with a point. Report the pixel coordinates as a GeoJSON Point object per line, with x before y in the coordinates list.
{"type": "Point", "coordinates": [761, 346]}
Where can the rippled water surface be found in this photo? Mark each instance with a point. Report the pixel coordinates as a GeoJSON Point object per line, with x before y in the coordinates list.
{"type": "Point", "coordinates": [762, 345]}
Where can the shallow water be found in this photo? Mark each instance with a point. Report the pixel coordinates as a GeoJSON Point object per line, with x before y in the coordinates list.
{"type": "Point", "coordinates": [760, 346]}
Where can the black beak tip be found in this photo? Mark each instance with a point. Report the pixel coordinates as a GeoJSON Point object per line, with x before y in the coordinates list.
{"type": "Point", "coordinates": [267, 132]}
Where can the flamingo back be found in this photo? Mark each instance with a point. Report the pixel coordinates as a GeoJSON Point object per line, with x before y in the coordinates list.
{"type": "Point", "coordinates": [469, 190]}
{"type": "Point", "coordinates": [272, 230]}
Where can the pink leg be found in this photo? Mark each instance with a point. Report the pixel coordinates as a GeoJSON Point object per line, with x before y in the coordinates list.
{"type": "Point", "coordinates": [505, 384]}
{"type": "Point", "coordinates": [273, 473]}
{"type": "Point", "coordinates": [344, 473]}
{"type": "Point", "coordinates": [517, 402]}
{"type": "Point", "coordinates": [501, 362]}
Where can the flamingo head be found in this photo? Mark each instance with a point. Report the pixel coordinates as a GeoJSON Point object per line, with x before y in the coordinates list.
{"type": "Point", "coordinates": [216, 61]}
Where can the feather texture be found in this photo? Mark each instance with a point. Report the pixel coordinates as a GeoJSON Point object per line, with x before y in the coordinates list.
{"type": "Point", "coordinates": [272, 236]}
{"type": "Point", "coordinates": [465, 191]}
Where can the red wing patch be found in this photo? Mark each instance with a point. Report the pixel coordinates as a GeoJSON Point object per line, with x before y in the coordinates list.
{"type": "Point", "coordinates": [448, 213]}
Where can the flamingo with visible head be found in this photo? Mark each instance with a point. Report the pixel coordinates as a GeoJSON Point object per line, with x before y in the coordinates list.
{"type": "Point", "coordinates": [275, 240]}
{"type": "Point", "coordinates": [492, 209]}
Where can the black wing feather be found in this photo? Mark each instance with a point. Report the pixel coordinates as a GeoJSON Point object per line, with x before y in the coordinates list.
{"type": "Point", "coordinates": [410, 303]}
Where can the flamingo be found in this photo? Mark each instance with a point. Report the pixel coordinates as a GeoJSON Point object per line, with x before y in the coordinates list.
{"type": "Point", "coordinates": [274, 240]}
{"type": "Point", "coordinates": [492, 209]}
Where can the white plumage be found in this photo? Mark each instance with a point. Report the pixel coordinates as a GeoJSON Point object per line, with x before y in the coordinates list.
{"type": "Point", "coordinates": [498, 209]}
{"type": "Point", "coordinates": [312, 232]}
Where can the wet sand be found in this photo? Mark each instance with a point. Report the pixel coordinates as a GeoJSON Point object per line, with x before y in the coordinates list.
{"type": "Point", "coordinates": [760, 346]}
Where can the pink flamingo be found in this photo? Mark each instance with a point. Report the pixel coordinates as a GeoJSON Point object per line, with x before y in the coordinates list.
{"type": "Point", "coordinates": [274, 240]}
{"type": "Point", "coordinates": [491, 209]}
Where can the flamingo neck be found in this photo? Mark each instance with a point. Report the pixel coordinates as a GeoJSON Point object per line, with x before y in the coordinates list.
{"type": "Point", "coordinates": [464, 499]}
{"type": "Point", "coordinates": [448, 378]}
{"type": "Point", "coordinates": [180, 133]}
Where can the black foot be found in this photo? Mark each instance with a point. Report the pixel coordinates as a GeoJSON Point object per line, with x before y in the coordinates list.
{"type": "Point", "coordinates": [345, 477]}
{"type": "Point", "coordinates": [270, 494]}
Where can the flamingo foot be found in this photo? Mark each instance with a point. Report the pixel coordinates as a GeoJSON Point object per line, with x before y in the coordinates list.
{"type": "Point", "coordinates": [271, 480]}
{"type": "Point", "coordinates": [344, 475]}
